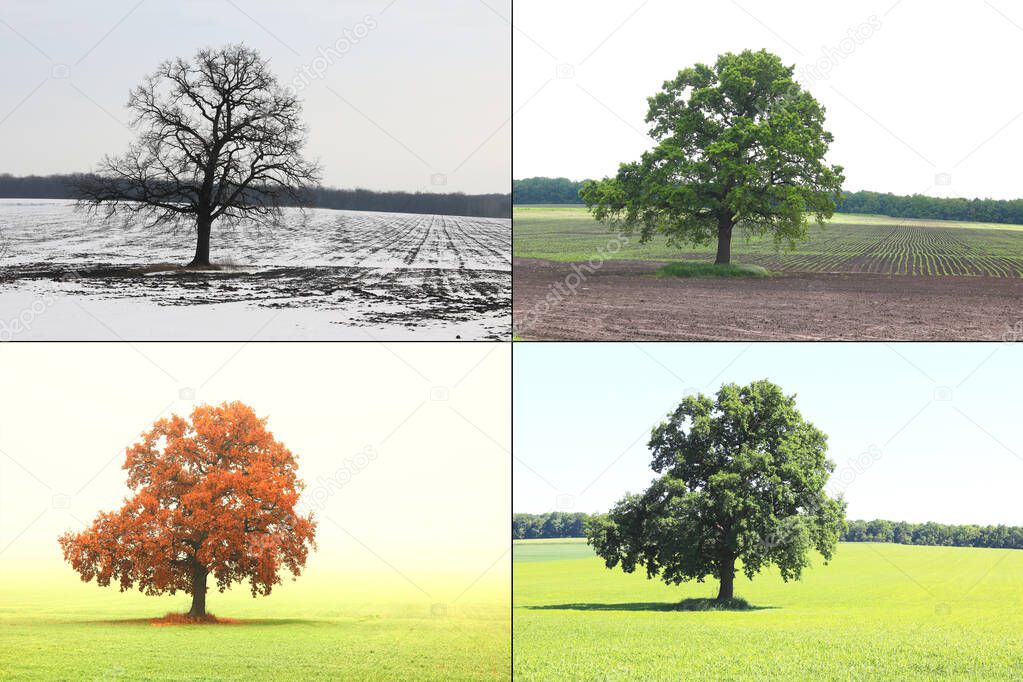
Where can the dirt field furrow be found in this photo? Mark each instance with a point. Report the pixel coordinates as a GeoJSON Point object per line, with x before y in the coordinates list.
{"type": "Point", "coordinates": [624, 300]}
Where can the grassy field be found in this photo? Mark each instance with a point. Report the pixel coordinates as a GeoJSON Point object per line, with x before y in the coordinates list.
{"type": "Point", "coordinates": [878, 611]}
{"type": "Point", "coordinates": [849, 243]}
{"type": "Point", "coordinates": [330, 627]}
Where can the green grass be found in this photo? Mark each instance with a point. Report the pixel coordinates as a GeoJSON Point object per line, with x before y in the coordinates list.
{"type": "Point", "coordinates": [333, 627]}
{"type": "Point", "coordinates": [711, 270]}
{"type": "Point", "coordinates": [849, 243]}
{"type": "Point", "coordinates": [878, 611]}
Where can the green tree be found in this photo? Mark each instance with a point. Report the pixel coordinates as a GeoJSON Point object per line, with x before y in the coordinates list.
{"type": "Point", "coordinates": [742, 478]}
{"type": "Point", "coordinates": [546, 191]}
{"type": "Point", "coordinates": [902, 533]}
{"type": "Point", "coordinates": [738, 144]}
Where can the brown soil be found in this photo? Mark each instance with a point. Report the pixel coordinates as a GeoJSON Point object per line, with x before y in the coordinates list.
{"type": "Point", "coordinates": [624, 300]}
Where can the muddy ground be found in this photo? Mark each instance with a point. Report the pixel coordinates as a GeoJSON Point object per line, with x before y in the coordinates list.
{"type": "Point", "coordinates": [624, 300]}
{"type": "Point", "coordinates": [408, 298]}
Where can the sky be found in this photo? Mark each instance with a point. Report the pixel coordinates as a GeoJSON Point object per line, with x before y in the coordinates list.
{"type": "Point", "coordinates": [918, 432]}
{"type": "Point", "coordinates": [402, 447]}
{"type": "Point", "coordinates": [915, 90]}
{"type": "Point", "coordinates": [399, 94]}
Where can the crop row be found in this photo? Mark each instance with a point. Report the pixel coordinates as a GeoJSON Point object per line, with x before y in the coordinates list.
{"type": "Point", "coordinates": [895, 250]}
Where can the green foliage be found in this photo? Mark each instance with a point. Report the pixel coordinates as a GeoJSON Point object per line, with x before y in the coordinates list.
{"type": "Point", "coordinates": [742, 476]}
{"type": "Point", "coordinates": [876, 612]}
{"type": "Point", "coordinates": [711, 270]}
{"type": "Point", "coordinates": [551, 525]}
{"type": "Point", "coordinates": [940, 208]}
{"type": "Point", "coordinates": [903, 533]}
{"type": "Point", "coordinates": [546, 191]}
{"type": "Point", "coordinates": [916, 206]}
{"type": "Point", "coordinates": [527, 526]}
{"type": "Point", "coordinates": [739, 143]}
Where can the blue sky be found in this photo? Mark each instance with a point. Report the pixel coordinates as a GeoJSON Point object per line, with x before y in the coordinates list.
{"type": "Point", "coordinates": [918, 431]}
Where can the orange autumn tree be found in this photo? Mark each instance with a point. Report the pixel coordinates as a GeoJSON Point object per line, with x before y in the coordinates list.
{"type": "Point", "coordinates": [212, 496]}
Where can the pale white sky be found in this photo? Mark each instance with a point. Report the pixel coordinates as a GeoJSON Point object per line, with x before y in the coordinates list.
{"type": "Point", "coordinates": [918, 432]}
{"type": "Point", "coordinates": [408, 90]}
{"type": "Point", "coordinates": [430, 502]}
{"type": "Point", "coordinates": [920, 91]}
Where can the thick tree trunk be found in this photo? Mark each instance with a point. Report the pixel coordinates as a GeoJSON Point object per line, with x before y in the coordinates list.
{"type": "Point", "coordinates": [202, 245]}
{"type": "Point", "coordinates": [198, 609]}
{"type": "Point", "coordinates": [725, 225]}
{"type": "Point", "coordinates": [727, 571]}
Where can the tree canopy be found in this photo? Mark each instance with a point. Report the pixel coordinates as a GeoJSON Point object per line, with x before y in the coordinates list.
{"type": "Point", "coordinates": [742, 478]}
{"type": "Point", "coordinates": [219, 138]}
{"type": "Point", "coordinates": [212, 495]}
{"type": "Point", "coordinates": [550, 525]}
{"type": "Point", "coordinates": [546, 191]}
{"type": "Point", "coordinates": [1010, 211]}
{"type": "Point", "coordinates": [739, 143]}
{"type": "Point", "coordinates": [554, 525]}
{"type": "Point", "coordinates": [937, 208]}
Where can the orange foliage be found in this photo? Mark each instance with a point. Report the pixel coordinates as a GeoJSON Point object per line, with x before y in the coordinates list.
{"type": "Point", "coordinates": [215, 494]}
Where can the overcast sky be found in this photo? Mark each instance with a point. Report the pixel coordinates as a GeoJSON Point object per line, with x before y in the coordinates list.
{"type": "Point", "coordinates": [923, 88]}
{"type": "Point", "coordinates": [410, 95]}
{"type": "Point", "coordinates": [919, 432]}
{"type": "Point", "coordinates": [403, 448]}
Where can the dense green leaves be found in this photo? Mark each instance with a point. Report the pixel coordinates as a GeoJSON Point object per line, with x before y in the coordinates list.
{"type": "Point", "coordinates": [550, 525]}
{"type": "Point", "coordinates": [941, 208]}
{"type": "Point", "coordinates": [546, 191]}
{"type": "Point", "coordinates": [742, 477]}
{"type": "Point", "coordinates": [564, 191]}
{"type": "Point", "coordinates": [903, 533]}
{"type": "Point", "coordinates": [738, 144]}
{"type": "Point", "coordinates": [571, 525]}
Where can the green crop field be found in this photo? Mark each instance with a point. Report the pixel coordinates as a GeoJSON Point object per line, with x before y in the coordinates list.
{"type": "Point", "coordinates": [329, 627]}
{"type": "Point", "coordinates": [878, 611]}
{"type": "Point", "coordinates": [848, 244]}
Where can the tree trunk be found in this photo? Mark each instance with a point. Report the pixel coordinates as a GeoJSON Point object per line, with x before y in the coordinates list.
{"type": "Point", "coordinates": [198, 609]}
{"type": "Point", "coordinates": [202, 245]}
{"type": "Point", "coordinates": [725, 225]}
{"type": "Point", "coordinates": [727, 571]}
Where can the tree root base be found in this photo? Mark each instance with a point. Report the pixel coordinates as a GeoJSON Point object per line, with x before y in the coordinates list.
{"type": "Point", "coordinates": [185, 619]}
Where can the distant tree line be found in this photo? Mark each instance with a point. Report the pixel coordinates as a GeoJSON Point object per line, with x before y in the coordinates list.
{"type": "Point", "coordinates": [573, 525]}
{"type": "Point", "coordinates": [481, 205]}
{"type": "Point", "coordinates": [551, 525]}
{"type": "Point", "coordinates": [546, 191]}
{"type": "Point", "coordinates": [901, 532]}
{"type": "Point", "coordinates": [919, 206]}
{"type": "Point", "coordinates": [565, 191]}
{"type": "Point", "coordinates": [35, 186]}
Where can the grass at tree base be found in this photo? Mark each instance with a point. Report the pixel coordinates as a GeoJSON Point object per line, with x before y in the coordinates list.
{"type": "Point", "coordinates": [695, 269]}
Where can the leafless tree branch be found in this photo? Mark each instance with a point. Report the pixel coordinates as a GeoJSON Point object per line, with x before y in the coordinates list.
{"type": "Point", "coordinates": [219, 138]}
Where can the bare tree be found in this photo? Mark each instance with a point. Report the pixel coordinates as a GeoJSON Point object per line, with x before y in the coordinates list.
{"type": "Point", "coordinates": [219, 138]}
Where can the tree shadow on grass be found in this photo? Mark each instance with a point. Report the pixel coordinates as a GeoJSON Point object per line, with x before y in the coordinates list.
{"type": "Point", "coordinates": [684, 605]}
{"type": "Point", "coordinates": [266, 622]}
{"type": "Point", "coordinates": [164, 622]}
